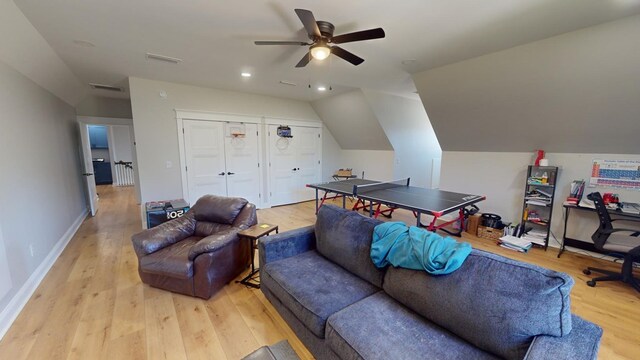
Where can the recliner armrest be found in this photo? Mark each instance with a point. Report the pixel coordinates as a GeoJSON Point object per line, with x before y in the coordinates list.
{"type": "Point", "coordinates": [151, 240]}
{"type": "Point", "coordinates": [581, 343]}
{"type": "Point", "coordinates": [213, 242]}
{"type": "Point", "coordinates": [246, 218]}
{"type": "Point", "coordinates": [286, 244]}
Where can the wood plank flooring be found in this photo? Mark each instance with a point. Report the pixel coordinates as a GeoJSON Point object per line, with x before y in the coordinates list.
{"type": "Point", "coordinates": [92, 304]}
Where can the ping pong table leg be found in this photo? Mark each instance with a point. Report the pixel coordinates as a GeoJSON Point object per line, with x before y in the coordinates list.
{"type": "Point", "coordinates": [344, 201]}
{"type": "Point", "coordinates": [370, 208]}
{"type": "Point", "coordinates": [317, 207]}
{"type": "Point", "coordinates": [418, 217]}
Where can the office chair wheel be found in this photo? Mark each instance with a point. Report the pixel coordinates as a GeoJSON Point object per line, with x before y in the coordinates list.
{"type": "Point", "coordinates": [586, 272]}
{"type": "Point", "coordinates": [591, 283]}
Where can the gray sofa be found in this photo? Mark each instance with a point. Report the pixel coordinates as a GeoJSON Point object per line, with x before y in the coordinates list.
{"type": "Point", "coordinates": [323, 283]}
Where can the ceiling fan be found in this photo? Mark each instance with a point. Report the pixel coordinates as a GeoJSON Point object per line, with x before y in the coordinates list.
{"type": "Point", "coordinates": [321, 35]}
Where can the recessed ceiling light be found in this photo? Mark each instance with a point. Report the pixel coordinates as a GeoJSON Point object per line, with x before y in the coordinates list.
{"type": "Point", "coordinates": [84, 44]}
{"type": "Point", "coordinates": [322, 88]}
{"type": "Point", "coordinates": [245, 74]}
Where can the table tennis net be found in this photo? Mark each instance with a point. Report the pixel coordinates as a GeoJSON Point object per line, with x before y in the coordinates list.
{"type": "Point", "coordinates": [364, 189]}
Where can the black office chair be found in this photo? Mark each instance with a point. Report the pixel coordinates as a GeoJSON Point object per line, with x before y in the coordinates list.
{"type": "Point", "coordinates": [607, 239]}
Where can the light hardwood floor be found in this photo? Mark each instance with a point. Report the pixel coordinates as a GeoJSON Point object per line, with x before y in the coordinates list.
{"type": "Point", "coordinates": [92, 304]}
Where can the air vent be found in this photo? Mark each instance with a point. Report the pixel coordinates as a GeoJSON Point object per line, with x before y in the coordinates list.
{"type": "Point", "coordinates": [106, 87]}
{"type": "Point", "coordinates": [163, 58]}
{"type": "Point", "coordinates": [283, 82]}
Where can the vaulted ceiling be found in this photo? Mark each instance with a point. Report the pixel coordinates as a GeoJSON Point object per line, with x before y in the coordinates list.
{"type": "Point", "coordinates": [215, 38]}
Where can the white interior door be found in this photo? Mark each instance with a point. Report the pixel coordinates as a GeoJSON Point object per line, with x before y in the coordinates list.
{"type": "Point", "coordinates": [89, 177]}
{"type": "Point", "coordinates": [205, 160]}
{"type": "Point", "coordinates": [282, 164]}
{"type": "Point", "coordinates": [308, 160]}
{"type": "Point", "coordinates": [242, 163]}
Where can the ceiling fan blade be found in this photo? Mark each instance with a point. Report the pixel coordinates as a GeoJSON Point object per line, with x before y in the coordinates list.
{"type": "Point", "coordinates": [350, 57]}
{"type": "Point", "coordinates": [300, 43]}
{"type": "Point", "coordinates": [359, 36]}
{"type": "Point", "coordinates": [309, 22]}
{"type": "Point", "coordinates": [304, 61]}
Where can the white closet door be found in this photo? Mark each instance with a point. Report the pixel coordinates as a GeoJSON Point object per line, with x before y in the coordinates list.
{"type": "Point", "coordinates": [308, 160]}
{"type": "Point", "coordinates": [243, 173]}
{"type": "Point", "coordinates": [204, 154]}
{"type": "Point", "coordinates": [282, 165]}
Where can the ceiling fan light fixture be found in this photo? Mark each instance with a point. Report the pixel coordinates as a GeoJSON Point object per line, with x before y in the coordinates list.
{"type": "Point", "coordinates": [320, 51]}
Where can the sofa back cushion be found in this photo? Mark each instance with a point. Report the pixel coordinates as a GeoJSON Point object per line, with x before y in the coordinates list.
{"type": "Point", "coordinates": [218, 209]}
{"type": "Point", "coordinates": [344, 237]}
{"type": "Point", "coordinates": [493, 302]}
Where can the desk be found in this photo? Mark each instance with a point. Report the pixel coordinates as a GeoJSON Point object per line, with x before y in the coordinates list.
{"type": "Point", "coordinates": [584, 245]}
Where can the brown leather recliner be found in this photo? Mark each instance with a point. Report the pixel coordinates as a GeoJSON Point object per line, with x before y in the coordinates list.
{"type": "Point", "coordinates": [200, 252]}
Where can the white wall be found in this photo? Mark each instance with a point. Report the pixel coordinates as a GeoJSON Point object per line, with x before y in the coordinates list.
{"type": "Point", "coordinates": [121, 140]}
{"type": "Point", "coordinates": [501, 177]}
{"type": "Point", "coordinates": [376, 164]}
{"type": "Point", "coordinates": [97, 106]}
{"type": "Point", "coordinates": [40, 183]}
{"type": "Point", "coordinates": [331, 155]}
{"type": "Point", "coordinates": [409, 130]}
{"type": "Point", "coordinates": [5, 276]}
{"type": "Point", "coordinates": [154, 120]}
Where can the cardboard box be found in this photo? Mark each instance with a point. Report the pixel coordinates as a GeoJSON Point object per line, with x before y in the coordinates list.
{"type": "Point", "coordinates": [343, 172]}
{"type": "Point", "coordinates": [472, 224]}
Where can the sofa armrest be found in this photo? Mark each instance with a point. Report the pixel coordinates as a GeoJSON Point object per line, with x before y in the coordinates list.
{"type": "Point", "coordinates": [580, 344]}
{"type": "Point", "coordinates": [286, 244]}
{"type": "Point", "coordinates": [213, 242]}
{"type": "Point", "coordinates": [168, 233]}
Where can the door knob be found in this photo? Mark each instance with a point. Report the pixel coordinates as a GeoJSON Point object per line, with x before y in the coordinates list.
{"type": "Point", "coordinates": [221, 174]}
{"type": "Point", "coordinates": [294, 169]}
{"type": "Point", "coordinates": [87, 174]}
{"type": "Point", "coordinates": [230, 173]}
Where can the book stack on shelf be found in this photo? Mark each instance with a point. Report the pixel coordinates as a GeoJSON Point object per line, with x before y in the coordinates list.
{"type": "Point", "coordinates": [536, 237]}
{"type": "Point", "coordinates": [538, 197]}
{"type": "Point", "coordinates": [515, 243]}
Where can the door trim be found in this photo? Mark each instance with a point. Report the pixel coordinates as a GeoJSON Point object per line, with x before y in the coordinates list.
{"type": "Point", "coordinates": [283, 121]}
{"type": "Point", "coordinates": [182, 115]}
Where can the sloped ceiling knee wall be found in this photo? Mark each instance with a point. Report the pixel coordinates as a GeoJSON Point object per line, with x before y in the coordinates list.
{"type": "Point", "coordinates": [352, 122]}
{"type": "Point", "coordinates": [574, 93]}
{"type": "Point", "coordinates": [370, 120]}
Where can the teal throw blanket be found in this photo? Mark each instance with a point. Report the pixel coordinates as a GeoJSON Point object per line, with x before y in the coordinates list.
{"type": "Point", "coordinates": [415, 248]}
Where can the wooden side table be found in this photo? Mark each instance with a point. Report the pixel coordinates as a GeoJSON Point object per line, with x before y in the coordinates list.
{"type": "Point", "coordinates": [252, 234]}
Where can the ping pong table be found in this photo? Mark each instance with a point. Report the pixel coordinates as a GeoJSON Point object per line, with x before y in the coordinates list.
{"type": "Point", "coordinates": [399, 195]}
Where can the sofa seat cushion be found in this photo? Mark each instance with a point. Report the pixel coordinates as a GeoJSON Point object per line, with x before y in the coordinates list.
{"type": "Point", "coordinates": [172, 260]}
{"type": "Point", "coordinates": [313, 288]}
{"type": "Point", "coordinates": [357, 332]}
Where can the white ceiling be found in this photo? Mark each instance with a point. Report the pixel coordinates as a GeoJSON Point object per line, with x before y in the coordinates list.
{"type": "Point", "coordinates": [215, 38]}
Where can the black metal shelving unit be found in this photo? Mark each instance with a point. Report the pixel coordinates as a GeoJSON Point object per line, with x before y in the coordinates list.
{"type": "Point", "coordinates": [540, 189]}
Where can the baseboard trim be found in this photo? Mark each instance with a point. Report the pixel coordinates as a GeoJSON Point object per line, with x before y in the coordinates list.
{"type": "Point", "coordinates": [20, 299]}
